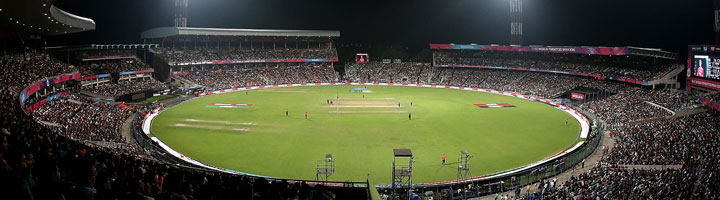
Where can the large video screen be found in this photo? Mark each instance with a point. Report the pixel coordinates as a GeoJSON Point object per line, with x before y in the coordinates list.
{"type": "Point", "coordinates": [706, 66]}
{"type": "Point", "coordinates": [362, 58]}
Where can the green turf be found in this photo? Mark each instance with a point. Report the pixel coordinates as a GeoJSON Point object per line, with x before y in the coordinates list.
{"type": "Point", "coordinates": [444, 121]}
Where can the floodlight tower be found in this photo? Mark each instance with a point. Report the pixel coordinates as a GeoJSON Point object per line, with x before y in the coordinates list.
{"type": "Point", "coordinates": [181, 13]}
{"type": "Point", "coordinates": [716, 6]}
{"type": "Point", "coordinates": [516, 24]}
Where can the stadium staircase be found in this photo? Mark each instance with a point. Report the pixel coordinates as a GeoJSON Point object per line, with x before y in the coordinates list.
{"type": "Point", "coordinates": [183, 82]}
{"type": "Point", "coordinates": [669, 79]}
{"type": "Point", "coordinates": [682, 113]}
{"type": "Point", "coordinates": [691, 111]}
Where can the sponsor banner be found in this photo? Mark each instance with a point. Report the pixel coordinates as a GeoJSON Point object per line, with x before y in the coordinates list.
{"type": "Point", "coordinates": [37, 105]}
{"type": "Point", "coordinates": [228, 105]}
{"type": "Point", "coordinates": [138, 72]}
{"type": "Point", "coordinates": [560, 49]}
{"type": "Point", "coordinates": [180, 73]}
{"type": "Point", "coordinates": [494, 105]}
{"type": "Point", "coordinates": [145, 71]}
{"type": "Point", "coordinates": [95, 76]}
{"type": "Point", "coordinates": [577, 96]}
{"type": "Point", "coordinates": [91, 58]}
{"type": "Point", "coordinates": [30, 90]}
{"type": "Point", "coordinates": [221, 62]}
{"type": "Point", "coordinates": [212, 106]}
{"type": "Point", "coordinates": [705, 83]}
{"type": "Point", "coordinates": [89, 77]}
{"type": "Point", "coordinates": [627, 80]}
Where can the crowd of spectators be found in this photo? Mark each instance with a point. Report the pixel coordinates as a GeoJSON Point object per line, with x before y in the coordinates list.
{"type": "Point", "coordinates": [83, 119]}
{"type": "Point", "coordinates": [607, 86]}
{"type": "Point", "coordinates": [112, 66]}
{"type": "Point", "coordinates": [628, 106]}
{"type": "Point", "coordinates": [637, 104]}
{"type": "Point", "coordinates": [533, 83]}
{"type": "Point", "coordinates": [233, 77]}
{"type": "Point", "coordinates": [712, 97]}
{"type": "Point", "coordinates": [214, 54]}
{"type": "Point", "coordinates": [37, 163]}
{"type": "Point", "coordinates": [692, 142]}
{"type": "Point", "coordinates": [18, 71]}
{"type": "Point", "coordinates": [408, 72]}
{"type": "Point", "coordinates": [640, 69]}
{"type": "Point", "coordinates": [51, 161]}
{"type": "Point", "coordinates": [125, 87]}
{"type": "Point", "coordinates": [675, 100]}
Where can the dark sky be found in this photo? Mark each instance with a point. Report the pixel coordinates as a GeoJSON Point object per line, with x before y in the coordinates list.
{"type": "Point", "coordinates": [667, 24]}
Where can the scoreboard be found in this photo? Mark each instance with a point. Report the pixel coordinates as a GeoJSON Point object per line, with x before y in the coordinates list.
{"type": "Point", "coordinates": [706, 66]}
{"type": "Point", "coordinates": [362, 58]}
{"type": "Point", "coordinates": [703, 67]}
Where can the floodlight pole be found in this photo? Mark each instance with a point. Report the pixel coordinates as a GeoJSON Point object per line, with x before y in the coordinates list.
{"type": "Point", "coordinates": [516, 22]}
{"type": "Point", "coordinates": [181, 13]}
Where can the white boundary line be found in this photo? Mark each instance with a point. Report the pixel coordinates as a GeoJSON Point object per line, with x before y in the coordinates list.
{"type": "Point", "coordinates": [584, 122]}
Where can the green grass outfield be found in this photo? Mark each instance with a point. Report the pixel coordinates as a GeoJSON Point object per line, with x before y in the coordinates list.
{"type": "Point", "coordinates": [262, 140]}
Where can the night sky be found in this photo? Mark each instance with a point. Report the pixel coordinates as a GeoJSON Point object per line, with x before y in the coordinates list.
{"type": "Point", "coordinates": [667, 24]}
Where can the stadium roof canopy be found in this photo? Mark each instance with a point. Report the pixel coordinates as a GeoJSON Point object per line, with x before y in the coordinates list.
{"type": "Point", "coordinates": [101, 47]}
{"type": "Point", "coordinates": [41, 17]}
{"type": "Point", "coordinates": [611, 51]}
{"type": "Point", "coordinates": [163, 32]}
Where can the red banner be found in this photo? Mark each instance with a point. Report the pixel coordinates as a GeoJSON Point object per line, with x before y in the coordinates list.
{"type": "Point", "coordinates": [577, 96]}
{"type": "Point", "coordinates": [705, 83]}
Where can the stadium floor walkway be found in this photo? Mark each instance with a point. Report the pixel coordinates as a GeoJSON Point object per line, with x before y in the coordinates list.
{"type": "Point", "coordinates": [561, 178]}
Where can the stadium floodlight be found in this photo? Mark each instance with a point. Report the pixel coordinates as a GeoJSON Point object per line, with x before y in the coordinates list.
{"type": "Point", "coordinates": [516, 23]}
